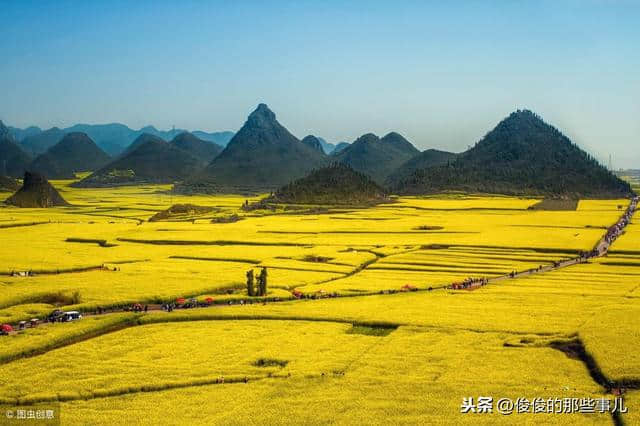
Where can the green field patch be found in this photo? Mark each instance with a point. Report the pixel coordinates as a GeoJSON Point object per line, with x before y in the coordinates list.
{"type": "Point", "coordinates": [101, 243]}
{"type": "Point", "coordinates": [270, 362]}
{"type": "Point", "coordinates": [379, 331]}
{"type": "Point", "coordinates": [552, 204]}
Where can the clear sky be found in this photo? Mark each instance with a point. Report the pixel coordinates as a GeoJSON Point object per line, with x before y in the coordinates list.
{"type": "Point", "coordinates": [442, 73]}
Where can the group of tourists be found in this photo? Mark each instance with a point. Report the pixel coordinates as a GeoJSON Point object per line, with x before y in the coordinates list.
{"type": "Point", "coordinates": [137, 307]}
{"type": "Point", "coordinates": [31, 323]}
{"type": "Point", "coordinates": [320, 294]}
{"type": "Point", "coordinates": [616, 230]}
{"type": "Point", "coordinates": [168, 307]}
{"type": "Point", "coordinates": [469, 283]}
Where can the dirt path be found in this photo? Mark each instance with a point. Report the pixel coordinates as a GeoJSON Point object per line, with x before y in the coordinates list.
{"type": "Point", "coordinates": [601, 249]}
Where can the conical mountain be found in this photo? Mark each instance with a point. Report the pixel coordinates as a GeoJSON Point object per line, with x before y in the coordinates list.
{"type": "Point", "coordinates": [141, 140]}
{"type": "Point", "coordinates": [76, 152]}
{"type": "Point", "coordinates": [313, 142]}
{"type": "Point", "coordinates": [399, 143]}
{"type": "Point", "coordinates": [263, 155]}
{"type": "Point", "coordinates": [427, 158]}
{"type": "Point", "coordinates": [36, 192]}
{"type": "Point", "coordinates": [39, 143]}
{"type": "Point", "coordinates": [521, 155]}
{"type": "Point", "coordinates": [334, 185]}
{"type": "Point", "coordinates": [377, 157]}
{"type": "Point", "coordinates": [13, 160]}
{"type": "Point", "coordinates": [152, 162]}
{"type": "Point", "coordinates": [197, 147]}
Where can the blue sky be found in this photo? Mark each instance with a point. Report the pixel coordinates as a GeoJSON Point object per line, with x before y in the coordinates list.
{"type": "Point", "coordinates": [441, 73]}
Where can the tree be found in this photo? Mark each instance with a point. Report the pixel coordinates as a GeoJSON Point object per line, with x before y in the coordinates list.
{"type": "Point", "coordinates": [250, 288]}
{"type": "Point", "coordinates": [263, 282]}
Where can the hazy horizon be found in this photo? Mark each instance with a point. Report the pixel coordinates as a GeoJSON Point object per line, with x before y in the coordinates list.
{"type": "Point", "coordinates": [440, 75]}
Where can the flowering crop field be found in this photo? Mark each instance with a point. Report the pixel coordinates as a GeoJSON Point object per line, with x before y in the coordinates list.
{"type": "Point", "coordinates": [359, 319]}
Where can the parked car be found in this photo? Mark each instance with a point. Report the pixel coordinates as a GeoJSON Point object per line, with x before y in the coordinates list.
{"type": "Point", "coordinates": [71, 316]}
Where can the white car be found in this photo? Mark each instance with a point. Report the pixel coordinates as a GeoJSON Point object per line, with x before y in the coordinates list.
{"type": "Point", "coordinates": [71, 316]}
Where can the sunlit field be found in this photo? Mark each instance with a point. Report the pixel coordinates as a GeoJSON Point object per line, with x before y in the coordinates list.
{"type": "Point", "coordinates": [358, 321]}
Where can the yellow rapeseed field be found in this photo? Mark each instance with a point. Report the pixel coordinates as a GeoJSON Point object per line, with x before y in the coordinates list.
{"type": "Point", "coordinates": [392, 342]}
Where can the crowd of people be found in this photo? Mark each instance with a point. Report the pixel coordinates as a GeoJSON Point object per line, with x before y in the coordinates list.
{"type": "Point", "coordinates": [469, 283]}
{"type": "Point", "coordinates": [615, 231]}
{"type": "Point", "coordinates": [320, 294]}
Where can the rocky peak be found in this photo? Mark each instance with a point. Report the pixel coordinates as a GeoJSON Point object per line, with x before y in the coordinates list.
{"type": "Point", "coordinates": [262, 116]}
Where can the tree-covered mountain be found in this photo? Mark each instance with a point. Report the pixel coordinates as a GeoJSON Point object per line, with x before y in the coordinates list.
{"type": "Point", "coordinates": [13, 160]}
{"type": "Point", "coordinates": [521, 155]}
{"type": "Point", "coordinates": [334, 184]}
{"type": "Point", "coordinates": [427, 158]}
{"type": "Point", "coordinates": [36, 192]}
{"type": "Point", "coordinates": [76, 152]}
{"type": "Point", "coordinates": [377, 157]}
{"type": "Point", "coordinates": [197, 147]}
{"type": "Point", "coordinates": [263, 155]}
{"type": "Point", "coordinates": [155, 161]}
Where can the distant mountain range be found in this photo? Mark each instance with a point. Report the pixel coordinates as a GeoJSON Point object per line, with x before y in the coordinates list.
{"type": "Point", "coordinates": [522, 155]}
{"type": "Point", "coordinates": [112, 138]}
